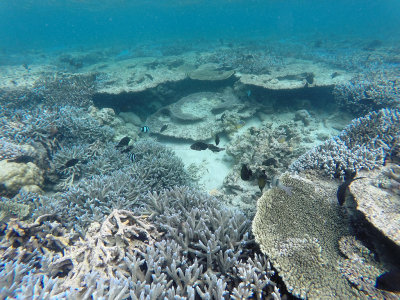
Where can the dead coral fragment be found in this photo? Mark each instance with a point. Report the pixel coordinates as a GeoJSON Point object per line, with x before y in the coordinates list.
{"type": "Point", "coordinates": [107, 245]}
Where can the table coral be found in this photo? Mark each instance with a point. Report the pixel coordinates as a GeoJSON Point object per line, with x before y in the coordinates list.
{"type": "Point", "coordinates": [299, 232]}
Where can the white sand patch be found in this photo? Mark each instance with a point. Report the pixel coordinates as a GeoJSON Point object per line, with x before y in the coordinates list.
{"type": "Point", "coordinates": [211, 167]}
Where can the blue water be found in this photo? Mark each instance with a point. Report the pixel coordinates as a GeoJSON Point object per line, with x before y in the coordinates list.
{"type": "Point", "coordinates": [64, 24]}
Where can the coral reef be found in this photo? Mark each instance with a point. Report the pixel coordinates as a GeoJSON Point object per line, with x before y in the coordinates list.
{"type": "Point", "coordinates": [199, 116]}
{"type": "Point", "coordinates": [361, 145]}
{"type": "Point", "coordinates": [210, 71]}
{"type": "Point", "coordinates": [369, 92]}
{"type": "Point", "coordinates": [361, 269]}
{"type": "Point", "coordinates": [65, 89]}
{"type": "Point", "coordinates": [126, 256]}
{"type": "Point", "coordinates": [267, 151]}
{"type": "Point", "coordinates": [121, 236]}
{"type": "Point", "coordinates": [110, 180]}
{"type": "Point", "coordinates": [299, 232]}
{"type": "Point", "coordinates": [17, 176]}
{"type": "Point", "coordinates": [11, 150]}
{"type": "Point", "coordinates": [380, 206]}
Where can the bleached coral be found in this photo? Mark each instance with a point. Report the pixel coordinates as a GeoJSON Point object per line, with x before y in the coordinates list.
{"type": "Point", "coordinates": [361, 145]}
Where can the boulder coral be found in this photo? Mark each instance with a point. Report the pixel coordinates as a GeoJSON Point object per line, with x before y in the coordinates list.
{"type": "Point", "coordinates": [14, 176]}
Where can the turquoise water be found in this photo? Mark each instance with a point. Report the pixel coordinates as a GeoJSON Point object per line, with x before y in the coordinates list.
{"type": "Point", "coordinates": [62, 24]}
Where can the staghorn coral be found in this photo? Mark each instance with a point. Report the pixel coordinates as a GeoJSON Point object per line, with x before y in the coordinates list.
{"type": "Point", "coordinates": [107, 245]}
{"type": "Point", "coordinates": [121, 258]}
{"type": "Point", "coordinates": [11, 150]}
{"type": "Point", "coordinates": [368, 92]}
{"type": "Point", "coordinates": [65, 89]}
{"type": "Point", "coordinates": [67, 123]}
{"type": "Point", "coordinates": [361, 145]}
{"type": "Point", "coordinates": [157, 166]}
{"type": "Point", "coordinates": [299, 233]}
{"type": "Point", "coordinates": [92, 159]}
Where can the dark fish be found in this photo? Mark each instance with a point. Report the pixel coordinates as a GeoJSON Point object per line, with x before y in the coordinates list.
{"type": "Point", "coordinates": [23, 159]}
{"type": "Point", "coordinates": [127, 149]}
{"type": "Point", "coordinates": [214, 148]}
{"type": "Point", "coordinates": [71, 163]}
{"type": "Point", "coordinates": [389, 281]}
{"type": "Point", "coordinates": [217, 139]}
{"type": "Point", "coordinates": [341, 192]}
{"type": "Point", "coordinates": [199, 146]}
{"type": "Point", "coordinates": [164, 127]}
{"type": "Point", "coordinates": [123, 142]}
{"type": "Point", "coordinates": [245, 173]}
{"type": "Point", "coordinates": [270, 162]}
{"type": "Point", "coordinates": [144, 129]}
{"type": "Point", "coordinates": [262, 181]}
{"type": "Point", "coordinates": [334, 75]}
{"type": "Point", "coordinates": [3, 228]}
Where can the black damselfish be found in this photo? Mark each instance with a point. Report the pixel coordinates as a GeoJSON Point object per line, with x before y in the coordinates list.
{"type": "Point", "coordinates": [199, 146]}
{"type": "Point", "coordinates": [164, 127]}
{"type": "Point", "coordinates": [217, 139]}
{"type": "Point", "coordinates": [144, 129]}
{"type": "Point", "coordinates": [214, 148]}
{"type": "Point", "coordinates": [22, 159]}
{"type": "Point", "coordinates": [341, 192]}
{"type": "Point", "coordinates": [245, 173]}
{"type": "Point", "coordinates": [123, 142]}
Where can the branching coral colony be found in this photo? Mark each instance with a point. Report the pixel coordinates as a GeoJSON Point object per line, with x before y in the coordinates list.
{"type": "Point", "coordinates": [112, 227]}
{"type": "Point", "coordinates": [130, 224]}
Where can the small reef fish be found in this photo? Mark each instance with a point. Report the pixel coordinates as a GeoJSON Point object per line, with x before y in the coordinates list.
{"type": "Point", "coordinates": [145, 129]}
{"type": "Point", "coordinates": [275, 182]}
{"type": "Point", "coordinates": [199, 146]}
{"type": "Point", "coordinates": [70, 163]}
{"type": "Point", "coordinates": [214, 148]}
{"type": "Point", "coordinates": [23, 159]}
{"type": "Point", "coordinates": [123, 142]}
{"type": "Point", "coordinates": [216, 139]}
{"type": "Point", "coordinates": [248, 93]}
{"type": "Point", "coordinates": [341, 192]}
{"type": "Point", "coordinates": [389, 281]}
{"type": "Point", "coordinates": [245, 173]}
{"type": "Point", "coordinates": [240, 124]}
{"type": "Point", "coordinates": [164, 127]}
{"type": "Point", "coordinates": [132, 156]}
{"type": "Point", "coordinates": [262, 181]}
{"type": "Point", "coordinates": [270, 162]}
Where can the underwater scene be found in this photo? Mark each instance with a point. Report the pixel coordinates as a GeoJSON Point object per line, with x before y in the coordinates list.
{"type": "Point", "coordinates": [197, 149]}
